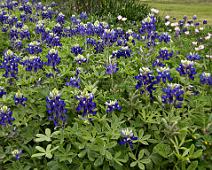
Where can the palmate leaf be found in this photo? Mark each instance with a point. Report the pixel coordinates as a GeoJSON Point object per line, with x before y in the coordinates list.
{"type": "Point", "coordinates": [163, 149]}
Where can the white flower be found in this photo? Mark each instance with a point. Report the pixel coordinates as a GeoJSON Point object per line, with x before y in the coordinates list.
{"type": "Point", "coordinates": [196, 30]}
{"type": "Point", "coordinates": [177, 29]}
{"type": "Point", "coordinates": [119, 17]}
{"type": "Point", "coordinates": [194, 43]}
{"type": "Point", "coordinates": [187, 32]}
{"type": "Point", "coordinates": [153, 10]}
{"type": "Point", "coordinates": [201, 28]}
{"type": "Point", "coordinates": [174, 24]}
{"type": "Point", "coordinates": [201, 47]}
{"type": "Point", "coordinates": [167, 17]}
{"type": "Point", "coordinates": [209, 56]}
{"type": "Point", "coordinates": [124, 19]}
{"type": "Point", "coordinates": [167, 23]}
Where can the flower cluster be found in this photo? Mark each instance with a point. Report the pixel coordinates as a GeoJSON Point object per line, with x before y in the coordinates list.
{"type": "Point", "coordinates": [123, 52]}
{"type": "Point", "coordinates": [111, 68]}
{"type": "Point", "coordinates": [206, 78]}
{"type": "Point", "coordinates": [56, 108]}
{"type": "Point", "coordinates": [10, 64]}
{"type": "Point", "coordinates": [187, 68]}
{"type": "Point", "coordinates": [2, 91]}
{"type": "Point", "coordinates": [53, 58]}
{"type": "Point", "coordinates": [6, 116]}
{"type": "Point", "coordinates": [19, 99]}
{"type": "Point", "coordinates": [74, 81]}
{"type": "Point", "coordinates": [173, 95]}
{"type": "Point", "coordinates": [86, 104]}
{"type": "Point", "coordinates": [127, 137]}
{"type": "Point", "coordinates": [34, 47]}
{"type": "Point", "coordinates": [80, 59]}
{"type": "Point", "coordinates": [76, 50]}
{"type": "Point", "coordinates": [193, 57]}
{"type": "Point", "coordinates": [163, 74]}
{"type": "Point", "coordinates": [17, 153]}
{"type": "Point", "coordinates": [112, 106]}
{"type": "Point", "coordinates": [32, 63]}
{"type": "Point", "coordinates": [146, 80]}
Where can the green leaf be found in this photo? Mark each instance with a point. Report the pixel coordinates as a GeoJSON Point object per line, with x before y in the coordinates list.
{"type": "Point", "coordinates": [48, 132]}
{"type": "Point", "coordinates": [162, 149]}
{"type": "Point", "coordinates": [40, 149]}
{"type": "Point", "coordinates": [82, 154]}
{"type": "Point", "coordinates": [146, 137]}
{"type": "Point", "coordinates": [42, 138]}
{"type": "Point", "coordinates": [133, 164]}
{"type": "Point", "coordinates": [55, 148]}
{"type": "Point", "coordinates": [48, 148]}
{"type": "Point", "coordinates": [37, 155]}
{"type": "Point", "coordinates": [141, 166]}
{"type": "Point", "coordinates": [145, 161]}
{"type": "Point", "coordinates": [108, 155]}
{"type": "Point", "coordinates": [98, 161]}
{"type": "Point", "coordinates": [141, 154]}
{"type": "Point", "coordinates": [132, 155]}
{"type": "Point", "coordinates": [49, 155]}
{"type": "Point", "coordinates": [193, 165]}
{"type": "Point", "coordinates": [196, 154]}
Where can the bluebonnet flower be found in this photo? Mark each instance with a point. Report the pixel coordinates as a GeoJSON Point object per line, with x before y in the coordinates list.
{"type": "Point", "coordinates": [74, 81]}
{"type": "Point", "coordinates": [164, 37]}
{"type": "Point", "coordinates": [123, 52]}
{"type": "Point", "coordinates": [74, 20]}
{"type": "Point", "coordinates": [76, 50]}
{"type": "Point", "coordinates": [6, 116]}
{"type": "Point", "coordinates": [112, 106]}
{"type": "Point", "coordinates": [19, 99]}
{"type": "Point", "coordinates": [56, 108]}
{"type": "Point", "coordinates": [58, 29]}
{"type": "Point", "coordinates": [173, 95]}
{"type": "Point", "coordinates": [205, 22]}
{"type": "Point", "coordinates": [146, 80]}
{"type": "Point", "coordinates": [10, 64]}
{"type": "Point", "coordinates": [193, 56]}
{"type": "Point", "coordinates": [91, 41]}
{"type": "Point", "coordinates": [164, 54]}
{"type": "Point", "coordinates": [206, 78]}
{"type": "Point", "coordinates": [127, 137]}
{"type": "Point", "coordinates": [33, 63]}
{"type": "Point", "coordinates": [27, 8]}
{"type": "Point", "coordinates": [24, 33]}
{"type": "Point", "coordinates": [83, 16]}
{"type": "Point", "coordinates": [39, 27]}
{"type": "Point", "coordinates": [34, 47]}
{"type": "Point", "coordinates": [17, 45]}
{"type": "Point", "coordinates": [19, 24]}
{"type": "Point", "coordinates": [163, 74]}
{"type": "Point", "coordinates": [86, 104]}
{"type": "Point", "coordinates": [14, 33]}
{"type": "Point", "coordinates": [80, 59]}
{"type": "Point", "coordinates": [99, 47]}
{"type": "Point", "coordinates": [17, 153]}
{"type": "Point", "coordinates": [53, 58]}
{"type": "Point", "coordinates": [111, 68]}
{"type": "Point", "coordinates": [2, 91]}
{"type": "Point", "coordinates": [194, 17]}
{"type": "Point", "coordinates": [47, 14]}
{"type": "Point", "coordinates": [187, 68]}
{"type": "Point", "coordinates": [54, 41]}
{"type": "Point", "coordinates": [61, 18]}
{"type": "Point", "coordinates": [23, 17]}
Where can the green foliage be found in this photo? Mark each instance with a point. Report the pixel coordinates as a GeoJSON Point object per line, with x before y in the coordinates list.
{"type": "Point", "coordinates": [167, 137]}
